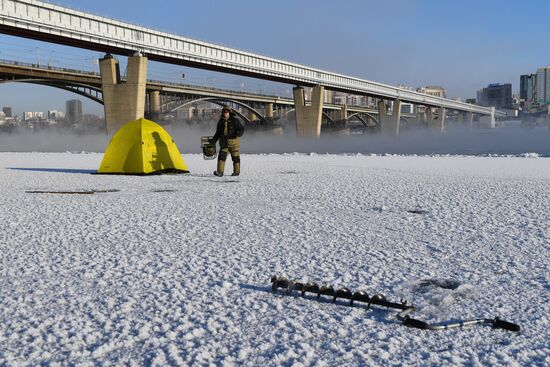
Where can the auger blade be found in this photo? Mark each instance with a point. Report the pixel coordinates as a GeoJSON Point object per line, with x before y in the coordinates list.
{"type": "Point", "coordinates": [297, 286]}
{"type": "Point", "coordinates": [311, 288]}
{"type": "Point", "coordinates": [325, 290]}
{"type": "Point", "coordinates": [342, 293]}
{"type": "Point", "coordinates": [278, 282]}
{"type": "Point", "coordinates": [360, 296]}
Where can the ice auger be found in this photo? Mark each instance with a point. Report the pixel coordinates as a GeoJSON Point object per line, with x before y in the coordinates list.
{"type": "Point", "coordinates": [378, 299]}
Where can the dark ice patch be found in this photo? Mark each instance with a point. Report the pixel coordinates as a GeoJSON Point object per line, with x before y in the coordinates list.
{"type": "Point", "coordinates": [426, 284]}
{"type": "Point", "coordinates": [222, 180]}
{"type": "Point", "coordinates": [417, 211]}
{"type": "Point", "coordinates": [71, 192]}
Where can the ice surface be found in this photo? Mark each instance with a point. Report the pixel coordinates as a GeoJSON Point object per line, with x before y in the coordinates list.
{"type": "Point", "coordinates": [175, 270]}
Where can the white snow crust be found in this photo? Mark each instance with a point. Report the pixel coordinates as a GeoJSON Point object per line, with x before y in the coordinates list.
{"type": "Point", "coordinates": [175, 269]}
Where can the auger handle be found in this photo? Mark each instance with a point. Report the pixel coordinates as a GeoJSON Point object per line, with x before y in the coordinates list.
{"type": "Point", "coordinates": [408, 321]}
{"type": "Point", "coordinates": [506, 325]}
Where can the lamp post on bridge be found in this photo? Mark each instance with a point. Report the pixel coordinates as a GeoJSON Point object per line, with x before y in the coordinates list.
{"type": "Point", "coordinates": [37, 49]}
{"type": "Point", "coordinates": [50, 56]}
{"type": "Point", "coordinates": [94, 61]}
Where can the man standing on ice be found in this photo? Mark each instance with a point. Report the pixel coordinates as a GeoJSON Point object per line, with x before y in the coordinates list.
{"type": "Point", "coordinates": [228, 132]}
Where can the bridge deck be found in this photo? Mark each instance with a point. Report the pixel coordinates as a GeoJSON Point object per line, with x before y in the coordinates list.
{"type": "Point", "coordinates": [15, 70]}
{"type": "Point", "coordinates": [52, 23]}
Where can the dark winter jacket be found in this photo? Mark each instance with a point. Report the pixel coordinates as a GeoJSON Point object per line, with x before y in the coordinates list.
{"type": "Point", "coordinates": [234, 130]}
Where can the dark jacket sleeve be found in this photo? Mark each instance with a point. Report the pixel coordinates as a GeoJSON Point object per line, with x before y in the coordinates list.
{"type": "Point", "coordinates": [219, 132]}
{"type": "Point", "coordinates": [239, 129]}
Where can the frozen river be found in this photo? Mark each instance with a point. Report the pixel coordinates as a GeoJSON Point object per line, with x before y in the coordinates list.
{"type": "Point", "coordinates": [175, 270]}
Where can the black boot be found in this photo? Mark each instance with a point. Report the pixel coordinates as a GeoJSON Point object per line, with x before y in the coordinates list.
{"type": "Point", "coordinates": [236, 168]}
{"type": "Point", "coordinates": [219, 174]}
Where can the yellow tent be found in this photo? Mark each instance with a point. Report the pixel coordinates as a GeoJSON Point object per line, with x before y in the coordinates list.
{"type": "Point", "coordinates": [142, 147]}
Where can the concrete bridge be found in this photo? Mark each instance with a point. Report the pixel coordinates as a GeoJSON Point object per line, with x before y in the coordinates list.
{"type": "Point", "coordinates": [125, 101]}
{"type": "Point", "coordinates": [165, 97]}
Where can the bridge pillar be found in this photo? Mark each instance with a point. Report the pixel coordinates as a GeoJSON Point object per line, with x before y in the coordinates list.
{"type": "Point", "coordinates": [390, 123]}
{"type": "Point", "coordinates": [154, 105]}
{"type": "Point", "coordinates": [436, 123]}
{"type": "Point", "coordinates": [429, 116]}
{"type": "Point", "coordinates": [470, 120]}
{"type": "Point", "coordinates": [308, 118]}
{"type": "Point", "coordinates": [269, 110]}
{"type": "Point", "coordinates": [439, 123]}
{"type": "Point", "coordinates": [460, 117]}
{"type": "Point", "coordinates": [371, 121]}
{"type": "Point", "coordinates": [382, 112]}
{"type": "Point", "coordinates": [488, 120]}
{"type": "Point", "coordinates": [123, 102]}
{"type": "Point", "coordinates": [442, 117]}
{"type": "Point", "coordinates": [343, 116]}
{"type": "Point", "coordinates": [421, 116]}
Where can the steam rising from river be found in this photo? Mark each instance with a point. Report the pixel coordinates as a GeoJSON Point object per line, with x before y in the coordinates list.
{"type": "Point", "coordinates": [510, 138]}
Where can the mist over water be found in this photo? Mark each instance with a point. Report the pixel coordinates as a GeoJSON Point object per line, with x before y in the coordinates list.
{"type": "Point", "coordinates": [52, 141]}
{"type": "Point", "coordinates": [509, 139]}
{"type": "Point", "coordinates": [512, 140]}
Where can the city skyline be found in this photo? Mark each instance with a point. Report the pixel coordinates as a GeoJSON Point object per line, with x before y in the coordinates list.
{"type": "Point", "coordinates": [462, 47]}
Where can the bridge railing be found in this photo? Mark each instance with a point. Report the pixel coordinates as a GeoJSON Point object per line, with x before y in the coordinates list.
{"type": "Point", "coordinates": [47, 67]}
{"type": "Point", "coordinates": [151, 81]}
{"type": "Point", "coordinates": [163, 82]}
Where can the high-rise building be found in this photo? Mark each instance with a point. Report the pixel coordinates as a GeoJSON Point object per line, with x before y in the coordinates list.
{"type": "Point", "coordinates": [339, 98]}
{"type": "Point", "coordinates": [496, 95]}
{"type": "Point", "coordinates": [74, 111]}
{"type": "Point", "coordinates": [524, 91]}
{"type": "Point", "coordinates": [406, 107]}
{"type": "Point", "coordinates": [7, 111]}
{"type": "Point", "coordinates": [327, 96]}
{"type": "Point", "coordinates": [355, 100]}
{"type": "Point", "coordinates": [433, 91]}
{"type": "Point", "coordinates": [535, 89]}
{"type": "Point", "coordinates": [532, 91]}
{"type": "Point", "coordinates": [56, 115]}
{"type": "Point", "coordinates": [528, 91]}
{"type": "Point", "coordinates": [30, 115]}
{"type": "Point", "coordinates": [543, 85]}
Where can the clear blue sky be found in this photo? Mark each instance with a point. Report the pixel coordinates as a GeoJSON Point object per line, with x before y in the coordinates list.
{"type": "Point", "coordinates": [460, 45]}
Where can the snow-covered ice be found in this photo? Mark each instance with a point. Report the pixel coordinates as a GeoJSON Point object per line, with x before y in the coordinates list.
{"type": "Point", "coordinates": [175, 269]}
